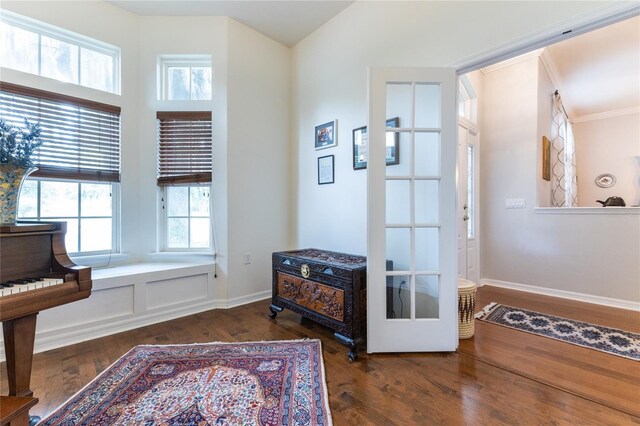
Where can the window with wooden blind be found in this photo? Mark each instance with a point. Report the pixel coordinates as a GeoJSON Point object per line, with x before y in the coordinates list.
{"type": "Point", "coordinates": [184, 172]}
{"type": "Point", "coordinates": [81, 138]}
{"type": "Point", "coordinates": [184, 147]}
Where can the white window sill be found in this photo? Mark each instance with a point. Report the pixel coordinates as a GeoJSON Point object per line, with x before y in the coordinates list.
{"type": "Point", "coordinates": [182, 256]}
{"type": "Point", "coordinates": [602, 211]}
{"type": "Point", "coordinates": [99, 261]}
{"type": "Point", "coordinates": [141, 269]}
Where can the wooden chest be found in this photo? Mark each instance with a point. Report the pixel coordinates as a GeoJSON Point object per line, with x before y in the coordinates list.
{"type": "Point", "coordinates": [327, 287]}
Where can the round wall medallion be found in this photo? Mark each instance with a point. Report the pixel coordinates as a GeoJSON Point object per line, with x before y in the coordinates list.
{"type": "Point", "coordinates": [606, 180]}
{"type": "Point", "coordinates": [305, 271]}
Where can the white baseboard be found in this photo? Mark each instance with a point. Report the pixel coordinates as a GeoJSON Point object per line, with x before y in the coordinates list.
{"type": "Point", "coordinates": [243, 300]}
{"type": "Point", "coordinates": [58, 338]}
{"type": "Point", "coordinates": [581, 297]}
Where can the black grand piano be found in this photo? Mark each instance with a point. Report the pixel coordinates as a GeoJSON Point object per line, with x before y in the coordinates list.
{"type": "Point", "coordinates": [35, 274]}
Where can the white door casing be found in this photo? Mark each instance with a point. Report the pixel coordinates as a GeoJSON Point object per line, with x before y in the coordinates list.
{"type": "Point", "coordinates": [468, 212]}
{"type": "Point", "coordinates": [411, 212]}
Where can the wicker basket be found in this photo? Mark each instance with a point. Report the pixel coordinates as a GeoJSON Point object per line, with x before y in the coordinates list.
{"type": "Point", "coordinates": [466, 308]}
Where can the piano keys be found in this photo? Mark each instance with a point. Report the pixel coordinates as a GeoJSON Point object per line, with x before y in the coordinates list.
{"type": "Point", "coordinates": [35, 274]}
{"type": "Point", "coordinates": [25, 284]}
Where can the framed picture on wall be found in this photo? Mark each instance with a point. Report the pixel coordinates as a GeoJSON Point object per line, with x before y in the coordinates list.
{"type": "Point", "coordinates": [325, 170]}
{"type": "Point", "coordinates": [360, 145]}
{"type": "Point", "coordinates": [326, 135]}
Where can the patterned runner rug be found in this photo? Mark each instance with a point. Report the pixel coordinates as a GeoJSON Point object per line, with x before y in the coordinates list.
{"type": "Point", "coordinates": [214, 384]}
{"type": "Point", "coordinates": [610, 340]}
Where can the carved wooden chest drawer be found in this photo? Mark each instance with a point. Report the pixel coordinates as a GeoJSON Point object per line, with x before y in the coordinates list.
{"type": "Point", "coordinates": [325, 286]}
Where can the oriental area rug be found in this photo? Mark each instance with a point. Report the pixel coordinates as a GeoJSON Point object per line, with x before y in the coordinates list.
{"type": "Point", "coordinates": [610, 340]}
{"type": "Point", "coordinates": [213, 384]}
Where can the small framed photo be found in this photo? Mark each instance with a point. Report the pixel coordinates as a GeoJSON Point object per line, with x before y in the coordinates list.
{"type": "Point", "coordinates": [325, 170]}
{"type": "Point", "coordinates": [327, 135]}
{"type": "Point", "coordinates": [360, 145]}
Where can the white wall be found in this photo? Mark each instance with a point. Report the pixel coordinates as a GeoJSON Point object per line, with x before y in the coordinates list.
{"type": "Point", "coordinates": [258, 169]}
{"type": "Point", "coordinates": [330, 75]}
{"type": "Point", "coordinates": [251, 112]}
{"type": "Point", "coordinates": [608, 145]}
{"type": "Point", "coordinates": [583, 253]}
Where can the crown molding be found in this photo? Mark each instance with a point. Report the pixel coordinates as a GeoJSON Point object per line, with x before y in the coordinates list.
{"type": "Point", "coordinates": [533, 54]}
{"type": "Point", "coordinates": [609, 13]}
{"type": "Point", "coordinates": [552, 70]}
{"type": "Point", "coordinates": [607, 114]}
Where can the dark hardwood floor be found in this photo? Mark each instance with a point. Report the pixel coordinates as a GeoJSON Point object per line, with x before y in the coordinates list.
{"type": "Point", "coordinates": [466, 388]}
{"type": "Point", "coordinates": [610, 380]}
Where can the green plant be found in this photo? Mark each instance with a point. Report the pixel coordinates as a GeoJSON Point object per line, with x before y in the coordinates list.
{"type": "Point", "coordinates": [17, 144]}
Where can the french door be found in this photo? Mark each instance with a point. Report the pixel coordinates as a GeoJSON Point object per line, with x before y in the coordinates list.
{"type": "Point", "coordinates": [412, 236]}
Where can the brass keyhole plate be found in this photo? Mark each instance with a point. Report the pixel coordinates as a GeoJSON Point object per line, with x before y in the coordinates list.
{"type": "Point", "coordinates": [305, 271]}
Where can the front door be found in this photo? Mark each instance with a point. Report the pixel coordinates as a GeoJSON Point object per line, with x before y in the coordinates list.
{"type": "Point", "coordinates": [468, 255]}
{"type": "Point", "coordinates": [412, 236]}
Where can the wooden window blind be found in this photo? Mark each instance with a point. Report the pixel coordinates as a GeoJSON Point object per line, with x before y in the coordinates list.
{"type": "Point", "coordinates": [185, 147]}
{"type": "Point", "coordinates": [81, 138]}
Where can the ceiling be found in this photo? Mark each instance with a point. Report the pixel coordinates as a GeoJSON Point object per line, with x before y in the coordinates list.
{"type": "Point", "coordinates": [287, 21]}
{"type": "Point", "coordinates": [600, 71]}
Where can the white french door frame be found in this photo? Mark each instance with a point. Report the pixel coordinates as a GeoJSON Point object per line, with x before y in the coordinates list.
{"type": "Point", "coordinates": [412, 334]}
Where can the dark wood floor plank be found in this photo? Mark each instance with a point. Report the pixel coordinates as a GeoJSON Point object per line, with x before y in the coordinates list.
{"type": "Point", "coordinates": [380, 389]}
{"type": "Point", "coordinates": [608, 379]}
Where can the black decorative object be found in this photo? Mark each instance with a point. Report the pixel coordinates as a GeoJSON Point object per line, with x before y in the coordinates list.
{"type": "Point", "coordinates": [612, 202]}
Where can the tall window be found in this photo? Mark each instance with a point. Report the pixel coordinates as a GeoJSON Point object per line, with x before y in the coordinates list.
{"type": "Point", "coordinates": [185, 77]}
{"type": "Point", "coordinates": [38, 48]}
{"type": "Point", "coordinates": [471, 191]}
{"type": "Point", "coordinates": [184, 175]}
{"type": "Point", "coordinates": [78, 164]}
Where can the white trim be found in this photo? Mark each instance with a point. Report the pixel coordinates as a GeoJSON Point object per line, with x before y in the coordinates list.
{"type": "Point", "coordinates": [512, 61]}
{"type": "Point", "coordinates": [550, 64]}
{"type": "Point", "coordinates": [546, 57]}
{"type": "Point", "coordinates": [608, 14]}
{"type": "Point", "coordinates": [243, 300]}
{"type": "Point", "coordinates": [580, 297]}
{"type": "Point", "coordinates": [607, 114]}
{"type": "Point", "coordinates": [603, 211]}
{"type": "Point", "coordinates": [80, 333]}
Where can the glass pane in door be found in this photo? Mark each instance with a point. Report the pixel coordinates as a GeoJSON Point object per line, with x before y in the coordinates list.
{"type": "Point", "coordinates": [427, 154]}
{"type": "Point", "coordinates": [398, 297]}
{"type": "Point", "coordinates": [427, 249]}
{"type": "Point", "coordinates": [403, 155]}
{"type": "Point", "coordinates": [427, 107]}
{"type": "Point", "coordinates": [399, 102]}
{"type": "Point", "coordinates": [426, 201]}
{"type": "Point", "coordinates": [427, 296]}
{"type": "Point", "coordinates": [398, 201]}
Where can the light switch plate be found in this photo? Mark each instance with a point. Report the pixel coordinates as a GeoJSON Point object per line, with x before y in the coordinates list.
{"type": "Point", "coordinates": [515, 203]}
